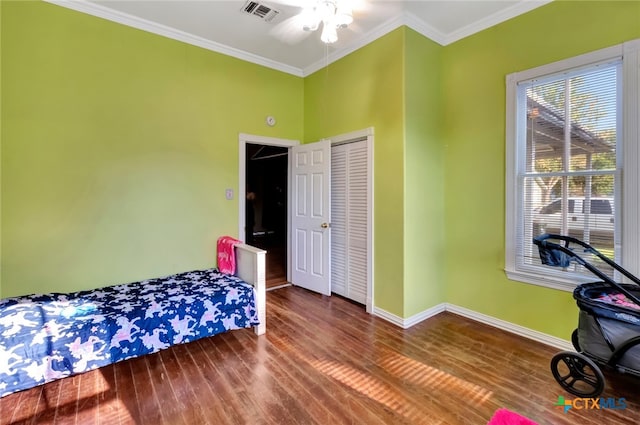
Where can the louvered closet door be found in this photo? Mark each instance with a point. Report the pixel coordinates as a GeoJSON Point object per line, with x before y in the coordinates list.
{"type": "Point", "coordinates": [349, 210]}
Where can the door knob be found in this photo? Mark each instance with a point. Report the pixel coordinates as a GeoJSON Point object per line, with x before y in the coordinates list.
{"type": "Point", "coordinates": [325, 225]}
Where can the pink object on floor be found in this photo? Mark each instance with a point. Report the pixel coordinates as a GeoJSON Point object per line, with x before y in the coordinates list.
{"type": "Point", "coordinates": [507, 417]}
{"type": "Point", "coordinates": [226, 254]}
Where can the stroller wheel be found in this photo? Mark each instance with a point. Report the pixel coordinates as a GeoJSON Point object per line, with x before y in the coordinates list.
{"type": "Point", "coordinates": [577, 374]}
{"type": "Point", "coordinates": [574, 340]}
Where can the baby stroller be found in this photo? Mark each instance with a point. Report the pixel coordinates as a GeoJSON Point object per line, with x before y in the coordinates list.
{"type": "Point", "coordinates": [608, 333]}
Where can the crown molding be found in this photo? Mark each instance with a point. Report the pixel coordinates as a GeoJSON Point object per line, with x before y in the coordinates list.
{"type": "Point", "coordinates": [419, 26]}
{"type": "Point", "coordinates": [406, 18]}
{"type": "Point", "coordinates": [376, 33]}
{"type": "Point", "coordinates": [165, 31]}
{"type": "Point", "coordinates": [523, 6]}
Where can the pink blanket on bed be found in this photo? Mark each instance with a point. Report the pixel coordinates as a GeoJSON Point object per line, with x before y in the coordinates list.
{"type": "Point", "coordinates": [226, 254]}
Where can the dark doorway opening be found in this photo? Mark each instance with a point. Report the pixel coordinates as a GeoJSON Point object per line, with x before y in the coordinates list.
{"type": "Point", "coordinates": [266, 207]}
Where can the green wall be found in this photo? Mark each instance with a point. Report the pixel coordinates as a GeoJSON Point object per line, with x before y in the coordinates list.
{"type": "Point", "coordinates": [424, 176]}
{"type": "Point", "coordinates": [365, 89]}
{"type": "Point", "coordinates": [393, 85]}
{"type": "Point", "coordinates": [474, 71]}
{"type": "Point", "coordinates": [117, 148]}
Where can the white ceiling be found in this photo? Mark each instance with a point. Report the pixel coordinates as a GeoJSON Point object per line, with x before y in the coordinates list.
{"type": "Point", "coordinates": [220, 25]}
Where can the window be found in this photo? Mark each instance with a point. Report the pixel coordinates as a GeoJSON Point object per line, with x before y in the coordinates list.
{"type": "Point", "coordinates": [572, 134]}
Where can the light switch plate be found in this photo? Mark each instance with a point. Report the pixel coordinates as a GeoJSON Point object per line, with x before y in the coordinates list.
{"type": "Point", "coordinates": [228, 194]}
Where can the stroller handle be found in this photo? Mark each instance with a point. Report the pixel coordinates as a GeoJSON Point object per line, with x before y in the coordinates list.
{"type": "Point", "coordinates": [554, 254]}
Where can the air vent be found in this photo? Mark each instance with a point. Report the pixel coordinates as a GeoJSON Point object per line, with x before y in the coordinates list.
{"type": "Point", "coordinates": [261, 10]}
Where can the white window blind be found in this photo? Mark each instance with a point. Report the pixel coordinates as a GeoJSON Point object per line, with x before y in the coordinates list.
{"type": "Point", "coordinates": [568, 179]}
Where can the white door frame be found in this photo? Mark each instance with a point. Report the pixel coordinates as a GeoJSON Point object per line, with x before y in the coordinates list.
{"type": "Point", "coordinates": [342, 138]}
{"type": "Point", "coordinates": [243, 140]}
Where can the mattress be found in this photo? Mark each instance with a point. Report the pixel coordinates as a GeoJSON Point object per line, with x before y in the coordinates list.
{"type": "Point", "coordinates": [51, 336]}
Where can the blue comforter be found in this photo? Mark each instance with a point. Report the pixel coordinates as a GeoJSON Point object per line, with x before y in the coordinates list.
{"type": "Point", "coordinates": [46, 337]}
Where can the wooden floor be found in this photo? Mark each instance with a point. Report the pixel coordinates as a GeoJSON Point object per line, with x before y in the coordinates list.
{"type": "Point", "coordinates": [276, 266]}
{"type": "Point", "coordinates": [323, 361]}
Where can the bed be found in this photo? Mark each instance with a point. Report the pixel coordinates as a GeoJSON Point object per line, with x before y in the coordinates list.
{"type": "Point", "coordinates": [52, 336]}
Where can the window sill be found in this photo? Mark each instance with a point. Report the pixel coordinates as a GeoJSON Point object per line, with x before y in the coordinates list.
{"type": "Point", "coordinates": [552, 282]}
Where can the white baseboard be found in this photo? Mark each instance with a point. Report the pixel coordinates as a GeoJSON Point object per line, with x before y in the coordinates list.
{"type": "Point", "coordinates": [478, 317]}
{"type": "Point", "coordinates": [284, 285]}
{"type": "Point", "coordinates": [410, 321]}
{"type": "Point", "coordinates": [511, 327]}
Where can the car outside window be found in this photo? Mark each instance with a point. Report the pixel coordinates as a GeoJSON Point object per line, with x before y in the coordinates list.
{"type": "Point", "coordinates": [601, 206]}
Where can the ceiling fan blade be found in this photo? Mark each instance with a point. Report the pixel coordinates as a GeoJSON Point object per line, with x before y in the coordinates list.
{"type": "Point", "coordinates": [293, 3]}
{"type": "Point", "coordinates": [290, 31]}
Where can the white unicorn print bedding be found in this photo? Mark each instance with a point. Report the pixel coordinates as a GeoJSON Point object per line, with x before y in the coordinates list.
{"type": "Point", "coordinates": [46, 337]}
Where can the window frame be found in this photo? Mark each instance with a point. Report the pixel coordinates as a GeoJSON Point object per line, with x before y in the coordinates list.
{"type": "Point", "coordinates": [627, 245]}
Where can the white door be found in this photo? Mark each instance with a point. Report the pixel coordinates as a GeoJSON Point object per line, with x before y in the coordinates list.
{"type": "Point", "coordinates": [350, 220]}
{"type": "Point", "coordinates": [311, 216]}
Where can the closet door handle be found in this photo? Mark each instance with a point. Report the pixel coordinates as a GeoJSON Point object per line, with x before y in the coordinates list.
{"type": "Point", "coordinates": [325, 225]}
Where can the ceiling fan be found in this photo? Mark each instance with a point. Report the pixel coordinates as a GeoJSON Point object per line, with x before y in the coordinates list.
{"type": "Point", "coordinates": [330, 16]}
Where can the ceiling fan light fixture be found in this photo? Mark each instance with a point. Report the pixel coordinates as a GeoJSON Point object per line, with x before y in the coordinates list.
{"type": "Point", "coordinates": [333, 14]}
{"type": "Point", "coordinates": [329, 33]}
{"type": "Point", "coordinates": [326, 9]}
